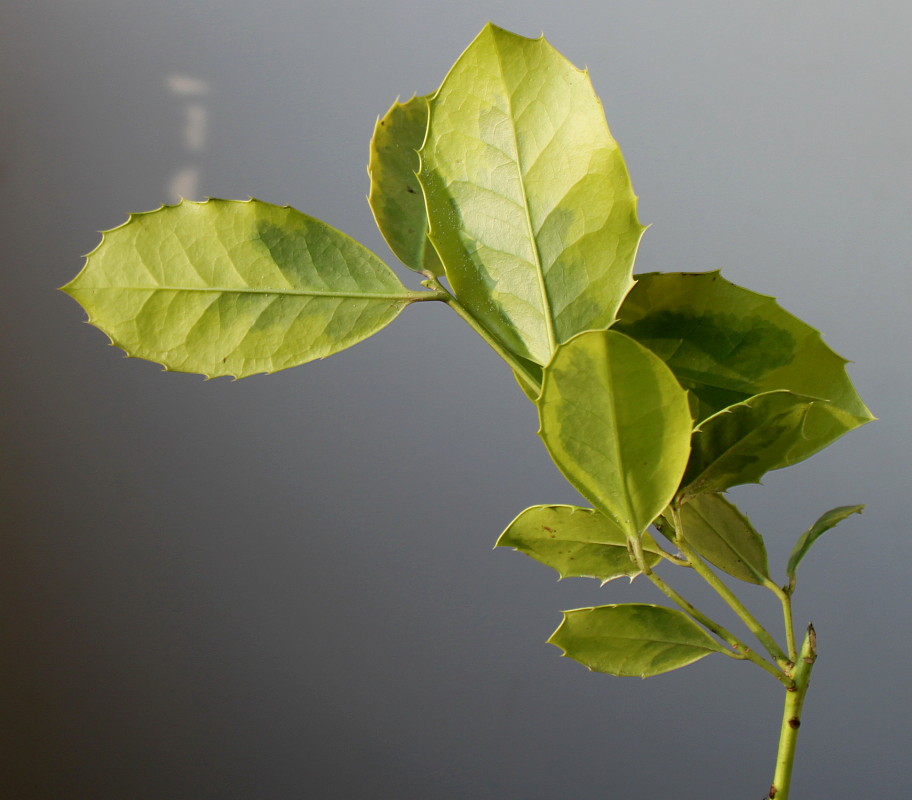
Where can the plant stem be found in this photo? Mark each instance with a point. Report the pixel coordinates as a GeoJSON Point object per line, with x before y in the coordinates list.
{"type": "Point", "coordinates": [791, 717]}
{"type": "Point", "coordinates": [786, 600]}
{"type": "Point", "coordinates": [701, 568]}
{"type": "Point", "coordinates": [520, 369]}
{"type": "Point", "coordinates": [741, 649]}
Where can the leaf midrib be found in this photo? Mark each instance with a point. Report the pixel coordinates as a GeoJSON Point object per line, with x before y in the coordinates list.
{"type": "Point", "coordinates": [240, 290]}
{"type": "Point", "coordinates": [540, 274]}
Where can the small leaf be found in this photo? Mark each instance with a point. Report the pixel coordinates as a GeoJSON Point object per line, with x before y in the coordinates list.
{"type": "Point", "coordinates": [720, 533]}
{"type": "Point", "coordinates": [395, 195]}
{"type": "Point", "coordinates": [530, 203]}
{"type": "Point", "coordinates": [577, 542]}
{"type": "Point", "coordinates": [829, 520]}
{"type": "Point", "coordinates": [745, 441]}
{"type": "Point", "coordinates": [727, 344]}
{"type": "Point", "coordinates": [632, 639]}
{"type": "Point", "coordinates": [226, 287]}
{"type": "Point", "coordinates": [617, 424]}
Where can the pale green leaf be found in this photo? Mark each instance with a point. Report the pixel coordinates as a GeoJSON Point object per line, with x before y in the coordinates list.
{"type": "Point", "coordinates": [395, 193]}
{"type": "Point", "coordinates": [827, 521]}
{"type": "Point", "coordinates": [632, 639]}
{"type": "Point", "coordinates": [720, 533]}
{"type": "Point", "coordinates": [745, 441]}
{"type": "Point", "coordinates": [617, 424]}
{"type": "Point", "coordinates": [226, 287]}
{"type": "Point", "coordinates": [529, 200]}
{"type": "Point", "coordinates": [727, 344]}
{"type": "Point", "coordinates": [577, 542]}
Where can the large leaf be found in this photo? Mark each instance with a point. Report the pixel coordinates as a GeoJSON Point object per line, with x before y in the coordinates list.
{"type": "Point", "coordinates": [617, 424]}
{"type": "Point", "coordinates": [577, 542]}
{"type": "Point", "coordinates": [720, 533]}
{"type": "Point", "coordinates": [632, 639]}
{"type": "Point", "coordinates": [227, 287]}
{"type": "Point", "coordinates": [827, 521]}
{"type": "Point", "coordinates": [395, 193]}
{"type": "Point", "coordinates": [530, 204]}
{"type": "Point", "coordinates": [727, 344]}
{"type": "Point", "coordinates": [745, 441]}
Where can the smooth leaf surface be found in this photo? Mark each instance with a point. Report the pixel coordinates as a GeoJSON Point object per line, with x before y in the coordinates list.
{"type": "Point", "coordinates": [617, 425]}
{"type": "Point", "coordinates": [727, 344]}
{"type": "Point", "coordinates": [720, 533]}
{"type": "Point", "coordinates": [227, 287]}
{"type": "Point", "coordinates": [744, 442]}
{"type": "Point", "coordinates": [577, 542]}
{"type": "Point", "coordinates": [529, 200]}
{"type": "Point", "coordinates": [632, 639]}
{"type": "Point", "coordinates": [827, 521]}
{"type": "Point", "coordinates": [395, 193]}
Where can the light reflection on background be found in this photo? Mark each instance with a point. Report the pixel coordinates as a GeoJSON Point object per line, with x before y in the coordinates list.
{"type": "Point", "coordinates": [186, 181]}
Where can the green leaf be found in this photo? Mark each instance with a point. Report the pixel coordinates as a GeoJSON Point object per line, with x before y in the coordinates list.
{"type": "Point", "coordinates": [720, 533]}
{"type": "Point", "coordinates": [577, 542]}
{"type": "Point", "coordinates": [530, 204]}
{"type": "Point", "coordinates": [632, 639]}
{"type": "Point", "coordinates": [617, 424]}
{"type": "Point", "coordinates": [745, 441]}
{"type": "Point", "coordinates": [726, 344]}
{"type": "Point", "coordinates": [226, 287]}
{"type": "Point", "coordinates": [395, 193]}
{"type": "Point", "coordinates": [829, 520]}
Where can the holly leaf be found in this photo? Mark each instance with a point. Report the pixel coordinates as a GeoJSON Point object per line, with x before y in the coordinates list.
{"type": "Point", "coordinates": [827, 521]}
{"type": "Point", "coordinates": [577, 542]}
{"type": "Point", "coordinates": [617, 425]}
{"type": "Point", "coordinates": [226, 287]}
{"type": "Point", "coordinates": [395, 195]}
{"type": "Point", "coordinates": [530, 204]}
{"type": "Point", "coordinates": [727, 344]}
{"type": "Point", "coordinates": [632, 639]}
{"type": "Point", "coordinates": [720, 533]}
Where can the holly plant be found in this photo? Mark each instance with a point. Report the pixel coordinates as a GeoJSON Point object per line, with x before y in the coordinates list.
{"type": "Point", "coordinates": [656, 393]}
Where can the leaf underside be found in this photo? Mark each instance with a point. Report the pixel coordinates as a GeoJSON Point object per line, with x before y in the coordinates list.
{"type": "Point", "coordinates": [530, 205]}
{"type": "Point", "coordinates": [826, 522]}
{"type": "Point", "coordinates": [395, 195]}
{"type": "Point", "coordinates": [617, 424]}
{"type": "Point", "coordinates": [632, 639]}
{"type": "Point", "coordinates": [228, 287]}
{"type": "Point", "coordinates": [577, 542]}
{"type": "Point", "coordinates": [720, 533]}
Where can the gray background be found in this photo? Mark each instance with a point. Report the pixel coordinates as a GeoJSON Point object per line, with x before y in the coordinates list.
{"type": "Point", "coordinates": [284, 587]}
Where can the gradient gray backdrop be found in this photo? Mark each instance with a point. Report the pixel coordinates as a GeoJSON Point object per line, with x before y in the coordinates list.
{"type": "Point", "coordinates": [284, 587]}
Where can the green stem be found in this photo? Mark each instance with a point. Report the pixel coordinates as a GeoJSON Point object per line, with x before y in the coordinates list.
{"type": "Point", "coordinates": [520, 369]}
{"type": "Point", "coordinates": [791, 717]}
{"type": "Point", "coordinates": [742, 651]}
{"type": "Point", "coordinates": [701, 568]}
{"type": "Point", "coordinates": [786, 600]}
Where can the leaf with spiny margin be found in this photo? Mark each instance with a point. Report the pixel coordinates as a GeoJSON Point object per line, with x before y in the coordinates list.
{"type": "Point", "coordinates": [577, 542]}
{"type": "Point", "coordinates": [529, 200]}
{"type": "Point", "coordinates": [827, 521]}
{"type": "Point", "coordinates": [632, 639]}
{"type": "Point", "coordinates": [720, 533]}
{"type": "Point", "coordinates": [740, 444]}
{"type": "Point", "coordinates": [395, 193]}
{"type": "Point", "coordinates": [727, 344]}
{"type": "Point", "coordinates": [227, 287]}
{"type": "Point", "coordinates": [617, 425]}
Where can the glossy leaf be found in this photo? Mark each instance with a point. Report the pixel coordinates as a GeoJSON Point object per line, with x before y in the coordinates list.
{"type": "Point", "coordinates": [744, 442]}
{"type": "Point", "coordinates": [617, 424]}
{"type": "Point", "coordinates": [227, 287]}
{"type": "Point", "coordinates": [632, 639]}
{"type": "Point", "coordinates": [577, 542]}
{"type": "Point", "coordinates": [720, 533]}
{"type": "Point", "coordinates": [827, 521]}
{"type": "Point", "coordinates": [727, 344]}
{"type": "Point", "coordinates": [395, 193]}
{"type": "Point", "coordinates": [530, 204]}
